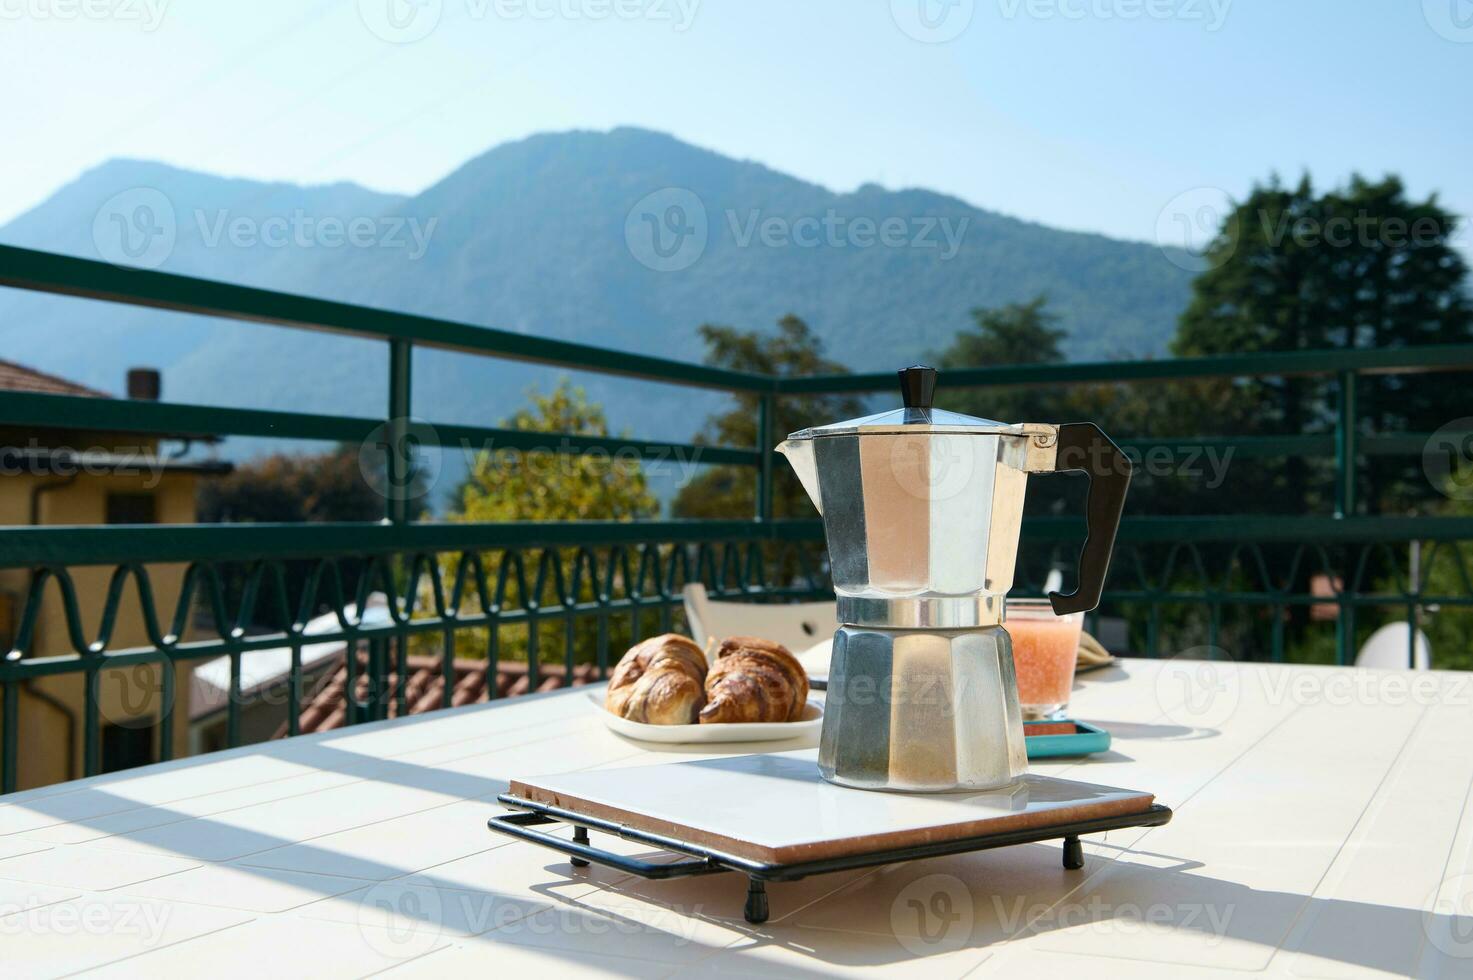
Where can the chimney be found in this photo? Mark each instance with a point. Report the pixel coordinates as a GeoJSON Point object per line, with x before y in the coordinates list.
{"type": "Point", "coordinates": [144, 384]}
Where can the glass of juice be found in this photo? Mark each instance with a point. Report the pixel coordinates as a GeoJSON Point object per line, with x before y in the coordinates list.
{"type": "Point", "coordinates": [1045, 647]}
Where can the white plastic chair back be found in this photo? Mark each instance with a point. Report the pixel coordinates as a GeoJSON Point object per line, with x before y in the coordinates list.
{"type": "Point", "coordinates": [1386, 649]}
{"type": "Point", "coordinates": [796, 626]}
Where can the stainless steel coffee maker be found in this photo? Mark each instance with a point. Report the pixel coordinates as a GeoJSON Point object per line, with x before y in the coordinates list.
{"type": "Point", "coordinates": [922, 510]}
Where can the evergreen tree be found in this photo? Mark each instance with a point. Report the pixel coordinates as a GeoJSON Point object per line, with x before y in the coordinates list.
{"type": "Point", "coordinates": [1363, 266]}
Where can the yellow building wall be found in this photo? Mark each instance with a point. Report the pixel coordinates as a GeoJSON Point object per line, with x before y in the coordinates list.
{"type": "Point", "coordinates": [47, 752]}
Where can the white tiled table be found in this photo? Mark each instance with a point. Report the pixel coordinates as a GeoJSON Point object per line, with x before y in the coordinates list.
{"type": "Point", "coordinates": [1322, 829]}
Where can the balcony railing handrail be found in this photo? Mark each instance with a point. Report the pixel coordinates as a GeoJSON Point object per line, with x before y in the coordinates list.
{"type": "Point", "coordinates": [23, 547]}
{"type": "Point", "coordinates": [81, 545]}
{"type": "Point", "coordinates": [81, 413]}
{"type": "Point", "coordinates": [1319, 362]}
{"type": "Point", "coordinates": [49, 272]}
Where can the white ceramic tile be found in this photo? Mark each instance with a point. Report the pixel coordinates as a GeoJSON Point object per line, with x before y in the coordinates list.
{"type": "Point", "coordinates": [721, 898]}
{"type": "Point", "coordinates": [177, 811]}
{"type": "Point", "coordinates": [249, 889]}
{"type": "Point", "coordinates": [447, 728]}
{"type": "Point", "coordinates": [91, 868]}
{"type": "Point", "coordinates": [963, 900]}
{"type": "Point", "coordinates": [94, 930]}
{"type": "Point", "coordinates": [276, 946]}
{"type": "Point", "coordinates": [1010, 962]}
{"type": "Point", "coordinates": [524, 870]}
{"type": "Point", "coordinates": [394, 847]}
{"type": "Point", "coordinates": [405, 906]}
{"type": "Point", "coordinates": [1370, 911]}
{"type": "Point", "coordinates": [786, 951]}
{"type": "Point", "coordinates": [153, 786]}
{"type": "Point", "coordinates": [639, 931]}
{"type": "Point", "coordinates": [236, 833]}
{"type": "Point", "coordinates": [14, 846]}
{"type": "Point", "coordinates": [477, 956]}
{"type": "Point", "coordinates": [1264, 835]}
{"type": "Point", "coordinates": [19, 896]}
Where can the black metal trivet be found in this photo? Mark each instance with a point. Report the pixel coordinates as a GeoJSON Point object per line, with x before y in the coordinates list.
{"type": "Point", "coordinates": [706, 860]}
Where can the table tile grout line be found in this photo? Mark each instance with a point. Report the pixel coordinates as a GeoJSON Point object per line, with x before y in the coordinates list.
{"type": "Point", "coordinates": [173, 766]}
{"type": "Point", "coordinates": [1236, 759]}
{"type": "Point", "coordinates": [244, 865]}
{"type": "Point", "coordinates": [1110, 860]}
{"type": "Point", "coordinates": [294, 796]}
{"type": "Point", "coordinates": [111, 888]}
{"type": "Point", "coordinates": [234, 789]}
{"type": "Point", "coordinates": [1395, 765]}
{"type": "Point", "coordinates": [239, 862]}
{"type": "Point", "coordinates": [1025, 931]}
{"type": "Point", "coordinates": [251, 869]}
{"type": "Point", "coordinates": [92, 894]}
{"type": "Point", "coordinates": [464, 941]}
{"type": "Point", "coordinates": [1462, 833]}
{"type": "Point", "coordinates": [418, 957]}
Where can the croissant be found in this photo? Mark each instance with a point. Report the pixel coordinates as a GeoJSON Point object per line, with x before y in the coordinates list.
{"type": "Point", "coordinates": [659, 682]}
{"type": "Point", "coordinates": [754, 680]}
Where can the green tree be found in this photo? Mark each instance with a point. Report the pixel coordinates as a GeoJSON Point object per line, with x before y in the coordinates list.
{"type": "Point", "coordinates": [1018, 333]}
{"type": "Point", "coordinates": [1363, 266]}
{"type": "Point", "coordinates": [794, 350]}
{"type": "Point", "coordinates": [291, 488]}
{"type": "Point", "coordinates": [546, 485]}
{"type": "Point", "coordinates": [287, 489]}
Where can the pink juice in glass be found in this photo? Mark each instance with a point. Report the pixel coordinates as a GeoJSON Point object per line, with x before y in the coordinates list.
{"type": "Point", "coordinates": [1045, 648]}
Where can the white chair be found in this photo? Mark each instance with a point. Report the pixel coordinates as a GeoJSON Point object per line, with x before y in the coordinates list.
{"type": "Point", "coordinates": [797, 625]}
{"type": "Point", "coordinates": [1387, 649]}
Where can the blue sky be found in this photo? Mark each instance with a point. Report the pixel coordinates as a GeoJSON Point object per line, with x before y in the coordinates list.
{"type": "Point", "coordinates": [1084, 114]}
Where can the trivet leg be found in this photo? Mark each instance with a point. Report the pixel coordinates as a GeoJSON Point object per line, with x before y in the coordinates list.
{"type": "Point", "coordinates": [580, 836]}
{"type": "Point", "coordinates": [756, 910]}
{"type": "Point", "coordinates": [1073, 853]}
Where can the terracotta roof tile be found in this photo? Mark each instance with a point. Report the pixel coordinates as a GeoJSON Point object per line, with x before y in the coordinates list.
{"type": "Point", "coordinates": [326, 707]}
{"type": "Point", "coordinates": [18, 377]}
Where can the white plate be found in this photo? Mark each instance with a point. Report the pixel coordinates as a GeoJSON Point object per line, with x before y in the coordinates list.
{"type": "Point", "coordinates": [764, 731]}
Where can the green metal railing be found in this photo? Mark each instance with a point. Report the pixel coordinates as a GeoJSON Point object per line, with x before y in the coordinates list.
{"type": "Point", "coordinates": [454, 583]}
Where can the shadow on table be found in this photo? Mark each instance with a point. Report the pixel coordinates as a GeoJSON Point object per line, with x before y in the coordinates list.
{"type": "Point", "coordinates": [1175, 913]}
{"type": "Point", "coordinates": [1135, 729]}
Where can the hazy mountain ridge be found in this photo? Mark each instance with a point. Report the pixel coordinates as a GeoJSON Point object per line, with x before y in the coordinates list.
{"type": "Point", "coordinates": [534, 236]}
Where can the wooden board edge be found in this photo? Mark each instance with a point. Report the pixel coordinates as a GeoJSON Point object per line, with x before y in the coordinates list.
{"type": "Point", "coordinates": [838, 847]}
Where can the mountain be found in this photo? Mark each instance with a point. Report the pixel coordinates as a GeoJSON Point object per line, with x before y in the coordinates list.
{"type": "Point", "coordinates": [626, 239]}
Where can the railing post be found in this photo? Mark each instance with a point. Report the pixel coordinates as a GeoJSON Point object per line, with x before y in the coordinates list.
{"type": "Point", "coordinates": [397, 449]}
{"type": "Point", "coordinates": [765, 409]}
{"type": "Point", "coordinates": [9, 736]}
{"type": "Point", "coordinates": [1345, 447]}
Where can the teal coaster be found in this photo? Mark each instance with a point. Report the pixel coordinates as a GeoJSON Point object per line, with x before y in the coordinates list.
{"type": "Point", "coordinates": [1053, 739]}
